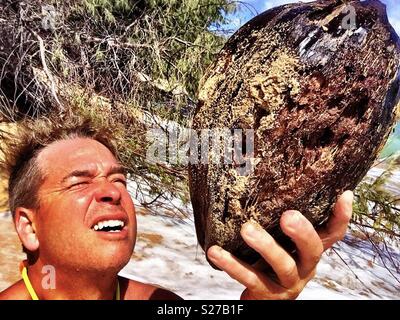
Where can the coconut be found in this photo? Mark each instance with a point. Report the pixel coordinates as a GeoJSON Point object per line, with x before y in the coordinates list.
{"type": "Point", "coordinates": [313, 89]}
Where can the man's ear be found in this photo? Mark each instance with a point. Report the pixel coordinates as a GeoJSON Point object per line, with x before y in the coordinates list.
{"type": "Point", "coordinates": [24, 220]}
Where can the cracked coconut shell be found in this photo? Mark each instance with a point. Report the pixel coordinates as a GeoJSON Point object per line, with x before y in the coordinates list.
{"type": "Point", "coordinates": [320, 91]}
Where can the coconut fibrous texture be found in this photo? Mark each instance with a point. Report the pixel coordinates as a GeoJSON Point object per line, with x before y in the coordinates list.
{"type": "Point", "coordinates": [318, 83]}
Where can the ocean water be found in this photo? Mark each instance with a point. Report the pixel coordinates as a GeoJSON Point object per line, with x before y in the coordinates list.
{"type": "Point", "coordinates": [392, 145]}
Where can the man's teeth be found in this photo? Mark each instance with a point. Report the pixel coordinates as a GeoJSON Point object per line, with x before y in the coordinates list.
{"type": "Point", "coordinates": [109, 224]}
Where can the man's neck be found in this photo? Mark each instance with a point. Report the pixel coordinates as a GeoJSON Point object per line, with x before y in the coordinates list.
{"type": "Point", "coordinates": [71, 284]}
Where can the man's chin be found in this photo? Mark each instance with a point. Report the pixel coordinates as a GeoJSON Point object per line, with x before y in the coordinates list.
{"type": "Point", "coordinates": [95, 255]}
{"type": "Point", "coordinates": [110, 263]}
{"type": "Point", "coordinates": [111, 256]}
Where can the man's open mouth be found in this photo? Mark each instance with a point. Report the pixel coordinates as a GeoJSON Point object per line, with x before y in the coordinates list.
{"type": "Point", "coordinates": [109, 226]}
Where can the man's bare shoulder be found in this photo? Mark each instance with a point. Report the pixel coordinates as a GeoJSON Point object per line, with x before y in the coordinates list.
{"type": "Point", "coordinates": [135, 290]}
{"type": "Point", "coordinates": [15, 292]}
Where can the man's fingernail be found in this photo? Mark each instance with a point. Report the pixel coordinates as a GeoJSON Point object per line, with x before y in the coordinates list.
{"type": "Point", "coordinates": [295, 218]}
{"type": "Point", "coordinates": [251, 230]}
{"type": "Point", "coordinates": [215, 253]}
{"type": "Point", "coordinates": [350, 195]}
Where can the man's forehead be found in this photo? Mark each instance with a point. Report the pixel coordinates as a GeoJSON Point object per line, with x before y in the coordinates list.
{"type": "Point", "coordinates": [76, 154]}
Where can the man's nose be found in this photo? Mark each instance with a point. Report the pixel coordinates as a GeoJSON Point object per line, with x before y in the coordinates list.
{"type": "Point", "coordinates": [108, 192]}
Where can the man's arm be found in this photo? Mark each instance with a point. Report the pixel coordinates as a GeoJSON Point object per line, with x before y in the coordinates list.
{"type": "Point", "coordinates": [292, 276]}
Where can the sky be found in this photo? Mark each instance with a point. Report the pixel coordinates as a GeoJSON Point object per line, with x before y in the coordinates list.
{"type": "Point", "coordinates": [250, 8]}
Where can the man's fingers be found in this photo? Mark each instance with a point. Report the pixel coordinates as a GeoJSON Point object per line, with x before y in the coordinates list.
{"type": "Point", "coordinates": [240, 271]}
{"type": "Point", "coordinates": [281, 262]}
{"type": "Point", "coordinates": [308, 243]}
{"type": "Point", "coordinates": [337, 225]}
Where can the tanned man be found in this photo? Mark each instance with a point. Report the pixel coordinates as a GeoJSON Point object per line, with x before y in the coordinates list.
{"type": "Point", "coordinates": [72, 211]}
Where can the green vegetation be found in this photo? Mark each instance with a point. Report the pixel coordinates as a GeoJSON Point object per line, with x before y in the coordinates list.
{"type": "Point", "coordinates": [375, 207]}
{"type": "Point", "coordinates": [150, 53]}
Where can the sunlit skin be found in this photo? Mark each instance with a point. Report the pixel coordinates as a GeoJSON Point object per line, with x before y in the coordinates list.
{"type": "Point", "coordinates": [84, 182]}
{"type": "Point", "coordinates": [79, 187]}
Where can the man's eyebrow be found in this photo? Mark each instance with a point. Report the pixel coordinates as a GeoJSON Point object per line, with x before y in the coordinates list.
{"type": "Point", "coordinates": [90, 174]}
{"type": "Point", "coordinates": [117, 169]}
{"type": "Point", "coordinates": [78, 173]}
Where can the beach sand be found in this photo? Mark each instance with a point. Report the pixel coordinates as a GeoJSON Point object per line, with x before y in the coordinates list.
{"type": "Point", "coordinates": [11, 252]}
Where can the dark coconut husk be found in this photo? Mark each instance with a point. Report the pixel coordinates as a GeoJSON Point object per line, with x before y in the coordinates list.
{"type": "Point", "coordinates": [322, 101]}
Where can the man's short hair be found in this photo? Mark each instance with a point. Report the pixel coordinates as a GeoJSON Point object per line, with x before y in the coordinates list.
{"type": "Point", "coordinates": [21, 151]}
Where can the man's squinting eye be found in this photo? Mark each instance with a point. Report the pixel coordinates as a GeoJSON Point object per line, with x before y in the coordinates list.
{"type": "Point", "coordinates": [78, 184]}
{"type": "Point", "coordinates": [120, 180]}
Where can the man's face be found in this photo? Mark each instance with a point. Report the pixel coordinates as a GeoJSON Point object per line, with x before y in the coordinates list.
{"type": "Point", "coordinates": [86, 219]}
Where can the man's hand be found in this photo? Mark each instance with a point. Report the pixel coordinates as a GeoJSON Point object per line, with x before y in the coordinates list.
{"type": "Point", "coordinates": [292, 276]}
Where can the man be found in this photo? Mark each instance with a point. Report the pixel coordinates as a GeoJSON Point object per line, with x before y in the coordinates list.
{"type": "Point", "coordinates": [72, 211]}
